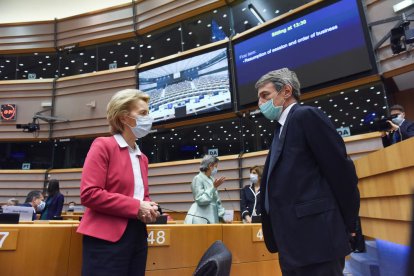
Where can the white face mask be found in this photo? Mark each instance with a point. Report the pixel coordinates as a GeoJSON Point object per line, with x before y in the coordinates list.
{"type": "Point", "coordinates": [214, 171]}
{"type": "Point", "coordinates": [143, 125]}
{"type": "Point", "coordinates": [41, 206]}
{"type": "Point", "coordinates": [254, 178]}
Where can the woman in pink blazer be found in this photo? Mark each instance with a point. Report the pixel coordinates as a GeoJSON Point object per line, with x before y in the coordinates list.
{"type": "Point", "coordinates": [114, 188]}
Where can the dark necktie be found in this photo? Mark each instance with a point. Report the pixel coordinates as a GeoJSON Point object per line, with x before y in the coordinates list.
{"type": "Point", "coordinates": [396, 136]}
{"type": "Point", "coordinates": [272, 161]}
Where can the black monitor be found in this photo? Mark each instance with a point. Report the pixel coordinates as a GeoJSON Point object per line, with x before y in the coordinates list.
{"type": "Point", "coordinates": [324, 43]}
{"type": "Point", "coordinates": [9, 218]}
{"type": "Point", "coordinates": [188, 85]}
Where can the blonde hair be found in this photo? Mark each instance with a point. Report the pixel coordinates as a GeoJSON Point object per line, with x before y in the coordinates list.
{"type": "Point", "coordinates": [120, 104]}
{"type": "Point", "coordinates": [258, 169]}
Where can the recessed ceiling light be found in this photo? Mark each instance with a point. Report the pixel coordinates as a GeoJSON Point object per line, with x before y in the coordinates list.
{"type": "Point", "coordinates": [277, 11]}
{"type": "Point", "coordinates": [36, 54]}
{"type": "Point", "coordinates": [72, 61]}
{"type": "Point", "coordinates": [246, 22]}
{"type": "Point", "coordinates": [208, 25]}
{"type": "Point", "coordinates": [199, 21]}
{"type": "Point", "coordinates": [66, 68]}
{"type": "Point", "coordinates": [119, 43]}
{"type": "Point", "coordinates": [148, 36]}
{"type": "Point", "coordinates": [125, 55]}
{"type": "Point", "coordinates": [168, 39]}
{"type": "Point", "coordinates": [81, 54]}
{"type": "Point", "coordinates": [92, 56]}
{"type": "Point", "coordinates": [224, 15]}
{"type": "Point", "coordinates": [215, 11]}
{"type": "Point", "coordinates": [149, 47]}
{"type": "Point", "coordinates": [7, 60]}
{"type": "Point", "coordinates": [132, 47]}
{"type": "Point", "coordinates": [356, 90]}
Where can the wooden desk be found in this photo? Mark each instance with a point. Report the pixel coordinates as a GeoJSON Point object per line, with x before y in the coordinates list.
{"type": "Point", "coordinates": [41, 250]}
{"type": "Point", "coordinates": [56, 249]}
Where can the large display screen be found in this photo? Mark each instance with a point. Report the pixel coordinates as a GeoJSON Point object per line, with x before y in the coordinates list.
{"type": "Point", "coordinates": [189, 86]}
{"type": "Point", "coordinates": [324, 45]}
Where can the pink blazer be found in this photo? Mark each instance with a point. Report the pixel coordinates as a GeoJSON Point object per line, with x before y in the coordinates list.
{"type": "Point", "coordinates": [107, 189]}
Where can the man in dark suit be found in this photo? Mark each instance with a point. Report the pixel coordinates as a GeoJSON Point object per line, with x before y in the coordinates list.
{"type": "Point", "coordinates": [311, 199]}
{"type": "Point", "coordinates": [400, 128]}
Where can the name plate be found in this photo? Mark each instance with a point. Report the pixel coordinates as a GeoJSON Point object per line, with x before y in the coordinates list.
{"type": "Point", "coordinates": [159, 237]}
{"type": "Point", "coordinates": [8, 239]}
{"type": "Point", "coordinates": [257, 234]}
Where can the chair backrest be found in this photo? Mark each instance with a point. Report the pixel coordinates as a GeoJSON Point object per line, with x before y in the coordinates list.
{"type": "Point", "coordinates": [216, 261]}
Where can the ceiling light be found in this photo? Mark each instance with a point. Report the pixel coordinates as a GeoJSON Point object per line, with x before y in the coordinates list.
{"type": "Point", "coordinates": [72, 61]}
{"type": "Point", "coordinates": [132, 47]}
{"type": "Point", "coordinates": [224, 15]}
{"type": "Point", "coordinates": [7, 61]}
{"type": "Point", "coordinates": [215, 11]}
{"type": "Point", "coordinates": [148, 36]}
{"type": "Point", "coordinates": [277, 11]}
{"type": "Point", "coordinates": [36, 54]}
{"type": "Point", "coordinates": [403, 5]}
{"type": "Point", "coordinates": [256, 13]}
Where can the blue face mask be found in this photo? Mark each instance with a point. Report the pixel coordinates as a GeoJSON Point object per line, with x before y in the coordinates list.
{"type": "Point", "coordinates": [214, 171]}
{"type": "Point", "coordinates": [41, 206]}
{"type": "Point", "coordinates": [254, 178]}
{"type": "Point", "coordinates": [270, 111]}
{"type": "Point", "coordinates": [398, 120]}
{"type": "Point", "coordinates": [143, 126]}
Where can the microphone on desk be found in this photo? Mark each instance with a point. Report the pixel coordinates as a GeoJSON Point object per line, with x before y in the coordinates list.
{"type": "Point", "coordinates": [196, 216]}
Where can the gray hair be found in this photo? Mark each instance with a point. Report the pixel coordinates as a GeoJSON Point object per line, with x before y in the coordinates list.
{"type": "Point", "coordinates": [207, 161]}
{"type": "Point", "coordinates": [280, 78]}
{"type": "Point", "coordinates": [32, 196]}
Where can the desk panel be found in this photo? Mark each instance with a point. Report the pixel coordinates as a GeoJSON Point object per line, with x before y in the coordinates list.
{"type": "Point", "coordinates": [41, 250]}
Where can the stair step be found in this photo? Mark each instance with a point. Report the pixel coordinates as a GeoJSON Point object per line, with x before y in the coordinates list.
{"type": "Point", "coordinates": [364, 264]}
{"type": "Point", "coordinates": [371, 247]}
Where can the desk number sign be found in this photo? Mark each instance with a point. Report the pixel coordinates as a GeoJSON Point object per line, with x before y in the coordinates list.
{"type": "Point", "coordinates": [257, 234]}
{"type": "Point", "coordinates": [159, 237]}
{"type": "Point", "coordinates": [8, 239]}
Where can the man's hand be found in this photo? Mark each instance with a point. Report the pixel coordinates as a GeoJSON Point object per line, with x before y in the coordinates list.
{"type": "Point", "coordinates": [394, 127]}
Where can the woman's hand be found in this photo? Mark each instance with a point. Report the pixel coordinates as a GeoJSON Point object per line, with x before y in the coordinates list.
{"type": "Point", "coordinates": [219, 181]}
{"type": "Point", "coordinates": [148, 211]}
{"type": "Point", "coordinates": [248, 219]}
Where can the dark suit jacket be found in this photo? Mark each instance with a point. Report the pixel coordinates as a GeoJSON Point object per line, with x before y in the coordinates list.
{"type": "Point", "coordinates": [249, 202]}
{"type": "Point", "coordinates": [313, 194]}
{"type": "Point", "coordinates": [54, 206]}
{"type": "Point", "coordinates": [406, 131]}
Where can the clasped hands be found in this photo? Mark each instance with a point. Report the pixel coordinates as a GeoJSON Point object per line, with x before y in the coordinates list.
{"type": "Point", "coordinates": [148, 211]}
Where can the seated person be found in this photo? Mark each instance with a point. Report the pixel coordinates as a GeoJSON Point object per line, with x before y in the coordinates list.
{"type": "Point", "coordinates": [71, 206]}
{"type": "Point", "coordinates": [12, 202]}
{"type": "Point", "coordinates": [250, 195]}
{"type": "Point", "coordinates": [400, 128]}
{"type": "Point", "coordinates": [54, 201]}
{"type": "Point", "coordinates": [34, 199]}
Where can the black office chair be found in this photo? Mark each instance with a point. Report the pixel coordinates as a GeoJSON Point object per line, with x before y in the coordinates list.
{"type": "Point", "coordinates": [216, 261]}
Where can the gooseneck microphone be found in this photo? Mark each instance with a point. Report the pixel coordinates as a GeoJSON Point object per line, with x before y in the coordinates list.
{"type": "Point", "coordinates": [196, 216]}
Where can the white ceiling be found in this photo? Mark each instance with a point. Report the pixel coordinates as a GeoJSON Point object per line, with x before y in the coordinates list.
{"type": "Point", "coordinates": [40, 10]}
